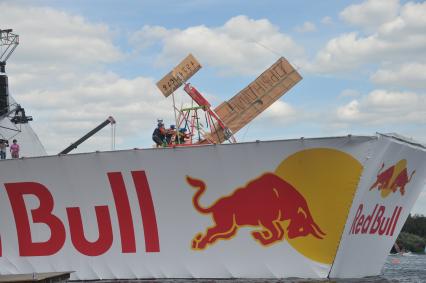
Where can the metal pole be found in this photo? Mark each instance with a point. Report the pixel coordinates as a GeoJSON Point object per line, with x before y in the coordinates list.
{"type": "Point", "coordinates": [88, 135]}
{"type": "Point", "coordinates": [174, 110]}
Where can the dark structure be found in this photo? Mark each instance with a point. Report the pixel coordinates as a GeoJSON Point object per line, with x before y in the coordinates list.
{"type": "Point", "coordinates": [4, 90]}
{"type": "Point", "coordinates": [74, 145]}
{"type": "Point", "coordinates": [8, 42]}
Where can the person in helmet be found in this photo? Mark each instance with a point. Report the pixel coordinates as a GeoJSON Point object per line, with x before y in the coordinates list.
{"type": "Point", "coordinates": [159, 135]}
{"type": "Point", "coordinates": [182, 135]}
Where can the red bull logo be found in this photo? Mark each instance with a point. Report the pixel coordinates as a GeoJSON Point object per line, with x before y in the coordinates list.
{"type": "Point", "coordinates": [375, 223]}
{"type": "Point", "coordinates": [392, 179]}
{"type": "Point", "coordinates": [303, 202]}
{"type": "Point", "coordinates": [264, 203]}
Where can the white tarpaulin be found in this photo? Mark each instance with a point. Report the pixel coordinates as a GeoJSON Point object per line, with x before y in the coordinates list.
{"type": "Point", "coordinates": [295, 208]}
{"type": "Point", "coordinates": [393, 177]}
{"type": "Point", "coordinates": [28, 140]}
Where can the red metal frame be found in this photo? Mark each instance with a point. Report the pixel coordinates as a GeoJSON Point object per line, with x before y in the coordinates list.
{"type": "Point", "coordinates": [189, 118]}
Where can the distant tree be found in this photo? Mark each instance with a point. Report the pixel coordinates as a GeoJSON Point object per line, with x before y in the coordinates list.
{"type": "Point", "coordinates": [416, 225]}
{"type": "Point", "coordinates": [410, 242]}
{"type": "Point", "coordinates": [413, 234]}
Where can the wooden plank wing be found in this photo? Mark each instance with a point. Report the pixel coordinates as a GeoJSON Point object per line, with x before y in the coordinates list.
{"type": "Point", "coordinates": [180, 74]}
{"type": "Point", "coordinates": [255, 98]}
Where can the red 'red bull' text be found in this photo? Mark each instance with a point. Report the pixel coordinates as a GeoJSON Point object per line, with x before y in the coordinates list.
{"type": "Point", "coordinates": [377, 222]}
{"type": "Point", "coordinates": [44, 215]}
{"type": "Point", "coordinates": [265, 203]}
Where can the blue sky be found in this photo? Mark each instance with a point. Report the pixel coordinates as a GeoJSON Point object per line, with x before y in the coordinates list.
{"type": "Point", "coordinates": [363, 65]}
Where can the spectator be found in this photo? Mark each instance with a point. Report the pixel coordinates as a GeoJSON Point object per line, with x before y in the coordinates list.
{"type": "Point", "coordinates": [3, 149]}
{"type": "Point", "coordinates": [14, 149]}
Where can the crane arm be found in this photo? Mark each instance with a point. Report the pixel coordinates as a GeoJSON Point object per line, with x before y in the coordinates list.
{"type": "Point", "coordinates": [74, 145]}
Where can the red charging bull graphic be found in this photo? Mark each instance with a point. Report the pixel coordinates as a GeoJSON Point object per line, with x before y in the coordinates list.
{"type": "Point", "coordinates": [393, 178]}
{"type": "Point", "coordinates": [265, 203]}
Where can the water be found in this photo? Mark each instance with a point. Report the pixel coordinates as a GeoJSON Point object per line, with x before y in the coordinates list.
{"type": "Point", "coordinates": [410, 268]}
{"type": "Point", "coordinates": [398, 268]}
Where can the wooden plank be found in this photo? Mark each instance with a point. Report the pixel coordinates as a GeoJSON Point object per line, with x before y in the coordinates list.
{"type": "Point", "coordinates": [180, 74]}
{"type": "Point", "coordinates": [36, 277]}
{"type": "Point", "coordinates": [256, 97]}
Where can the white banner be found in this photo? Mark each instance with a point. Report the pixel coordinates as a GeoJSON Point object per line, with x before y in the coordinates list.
{"type": "Point", "coordinates": [392, 180]}
{"type": "Point", "coordinates": [262, 210]}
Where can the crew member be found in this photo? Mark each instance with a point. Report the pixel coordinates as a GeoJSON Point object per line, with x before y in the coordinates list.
{"type": "Point", "coordinates": [159, 135]}
{"type": "Point", "coordinates": [171, 134]}
{"type": "Point", "coordinates": [182, 135]}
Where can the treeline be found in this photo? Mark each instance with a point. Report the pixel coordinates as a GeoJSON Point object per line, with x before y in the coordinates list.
{"type": "Point", "coordinates": [413, 235]}
{"type": "Point", "coordinates": [416, 225]}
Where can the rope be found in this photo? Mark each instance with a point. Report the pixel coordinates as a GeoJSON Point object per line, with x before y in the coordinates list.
{"type": "Point", "coordinates": [266, 47]}
{"type": "Point", "coordinates": [245, 133]}
{"type": "Point", "coordinates": [113, 130]}
{"type": "Point", "coordinates": [272, 51]}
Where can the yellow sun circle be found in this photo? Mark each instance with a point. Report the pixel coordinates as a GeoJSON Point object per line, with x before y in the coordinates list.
{"type": "Point", "coordinates": [327, 179]}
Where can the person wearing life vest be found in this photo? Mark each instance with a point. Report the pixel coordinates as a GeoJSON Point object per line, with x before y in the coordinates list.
{"type": "Point", "coordinates": [171, 134]}
{"type": "Point", "coordinates": [182, 136]}
{"type": "Point", "coordinates": [159, 135]}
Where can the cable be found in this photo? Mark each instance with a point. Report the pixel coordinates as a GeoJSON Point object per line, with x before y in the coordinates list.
{"type": "Point", "coordinates": [267, 48]}
{"type": "Point", "coordinates": [273, 51]}
{"type": "Point", "coordinates": [113, 125]}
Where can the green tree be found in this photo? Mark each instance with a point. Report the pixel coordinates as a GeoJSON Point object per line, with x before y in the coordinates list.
{"type": "Point", "coordinates": [411, 242]}
{"type": "Point", "coordinates": [413, 235]}
{"type": "Point", "coordinates": [415, 225]}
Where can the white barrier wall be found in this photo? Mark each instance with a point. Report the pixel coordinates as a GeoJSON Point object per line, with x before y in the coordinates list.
{"type": "Point", "coordinates": [296, 208]}
{"type": "Point", "coordinates": [28, 140]}
{"type": "Point", "coordinates": [393, 177]}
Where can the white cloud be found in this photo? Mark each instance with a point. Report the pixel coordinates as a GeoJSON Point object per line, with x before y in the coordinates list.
{"type": "Point", "coordinates": [306, 27]}
{"type": "Point", "coordinates": [148, 35]}
{"type": "Point", "coordinates": [58, 74]}
{"type": "Point", "coordinates": [346, 52]}
{"type": "Point", "coordinates": [371, 13]}
{"type": "Point", "coordinates": [381, 107]}
{"type": "Point", "coordinates": [420, 205]}
{"type": "Point", "coordinates": [70, 93]}
{"type": "Point", "coordinates": [281, 112]}
{"type": "Point", "coordinates": [241, 46]}
{"type": "Point", "coordinates": [327, 20]}
{"type": "Point", "coordinates": [390, 101]}
{"type": "Point", "coordinates": [410, 75]}
{"type": "Point", "coordinates": [397, 39]}
{"type": "Point", "coordinates": [349, 93]}
{"type": "Point", "coordinates": [349, 112]}
{"type": "Point", "coordinates": [57, 37]}
{"type": "Point", "coordinates": [70, 113]}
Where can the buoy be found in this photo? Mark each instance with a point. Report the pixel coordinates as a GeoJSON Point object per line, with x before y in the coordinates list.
{"type": "Point", "coordinates": [395, 261]}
